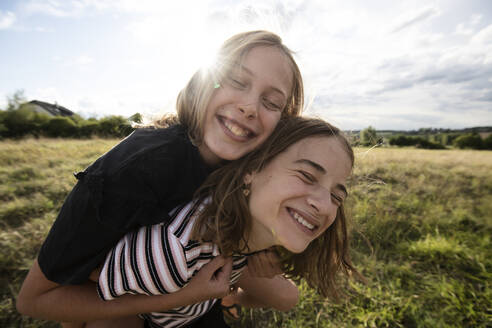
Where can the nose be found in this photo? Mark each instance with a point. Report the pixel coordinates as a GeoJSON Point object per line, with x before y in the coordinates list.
{"type": "Point", "coordinates": [249, 109]}
{"type": "Point", "coordinates": [321, 202]}
{"type": "Point", "coordinates": [248, 105]}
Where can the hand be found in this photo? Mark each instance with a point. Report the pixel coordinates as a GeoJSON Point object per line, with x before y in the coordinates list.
{"type": "Point", "coordinates": [212, 281]}
{"type": "Point", "coordinates": [265, 264]}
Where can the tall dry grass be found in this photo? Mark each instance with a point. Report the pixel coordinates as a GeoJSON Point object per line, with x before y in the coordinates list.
{"type": "Point", "coordinates": [422, 225]}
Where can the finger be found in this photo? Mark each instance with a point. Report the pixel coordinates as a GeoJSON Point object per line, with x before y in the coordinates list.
{"type": "Point", "coordinates": [211, 267]}
{"type": "Point", "coordinates": [225, 272]}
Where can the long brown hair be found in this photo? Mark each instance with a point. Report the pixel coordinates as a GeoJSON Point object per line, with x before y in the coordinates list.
{"type": "Point", "coordinates": [194, 98]}
{"type": "Point", "coordinates": [226, 219]}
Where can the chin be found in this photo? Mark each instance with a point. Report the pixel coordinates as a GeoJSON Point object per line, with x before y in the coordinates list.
{"type": "Point", "coordinates": [296, 249]}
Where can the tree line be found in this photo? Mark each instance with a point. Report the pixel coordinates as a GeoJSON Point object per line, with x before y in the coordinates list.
{"type": "Point", "coordinates": [440, 140]}
{"type": "Point", "coordinates": [19, 120]}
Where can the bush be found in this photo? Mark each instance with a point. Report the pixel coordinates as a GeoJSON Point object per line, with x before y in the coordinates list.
{"type": "Point", "coordinates": [473, 141]}
{"type": "Point", "coordinates": [369, 137]}
{"type": "Point", "coordinates": [87, 129]}
{"type": "Point", "coordinates": [21, 120]}
{"type": "Point", "coordinates": [418, 142]}
{"type": "Point", "coordinates": [17, 123]}
{"type": "Point", "coordinates": [114, 126]}
{"type": "Point", "coordinates": [487, 142]}
{"type": "Point", "coordinates": [425, 144]}
{"type": "Point", "coordinates": [60, 127]}
{"type": "Point", "coordinates": [402, 141]}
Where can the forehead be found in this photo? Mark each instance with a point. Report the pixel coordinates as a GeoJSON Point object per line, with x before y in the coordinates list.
{"type": "Point", "coordinates": [270, 64]}
{"type": "Point", "coordinates": [328, 152]}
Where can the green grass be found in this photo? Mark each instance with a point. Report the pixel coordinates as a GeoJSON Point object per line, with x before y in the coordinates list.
{"type": "Point", "coordinates": [422, 223]}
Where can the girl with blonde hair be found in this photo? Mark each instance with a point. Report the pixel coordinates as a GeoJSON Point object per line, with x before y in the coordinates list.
{"type": "Point", "coordinates": [225, 111]}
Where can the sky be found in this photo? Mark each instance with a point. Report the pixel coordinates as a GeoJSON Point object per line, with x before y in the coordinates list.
{"type": "Point", "coordinates": [397, 65]}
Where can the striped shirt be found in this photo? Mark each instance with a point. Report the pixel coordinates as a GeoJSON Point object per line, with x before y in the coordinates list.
{"type": "Point", "coordinates": [161, 259]}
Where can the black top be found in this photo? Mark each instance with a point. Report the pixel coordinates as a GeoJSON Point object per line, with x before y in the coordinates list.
{"type": "Point", "coordinates": [135, 184]}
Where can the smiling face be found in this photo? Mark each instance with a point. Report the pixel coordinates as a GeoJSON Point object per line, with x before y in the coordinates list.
{"type": "Point", "coordinates": [295, 198]}
{"type": "Point", "coordinates": [247, 106]}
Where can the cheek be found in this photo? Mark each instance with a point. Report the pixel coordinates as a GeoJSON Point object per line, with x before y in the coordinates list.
{"type": "Point", "coordinates": [269, 120]}
{"type": "Point", "coordinates": [329, 223]}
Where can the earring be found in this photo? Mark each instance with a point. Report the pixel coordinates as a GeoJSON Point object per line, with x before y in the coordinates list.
{"type": "Point", "coordinates": [216, 85]}
{"type": "Point", "coordinates": [246, 191]}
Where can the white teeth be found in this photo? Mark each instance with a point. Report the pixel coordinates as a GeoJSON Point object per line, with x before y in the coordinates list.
{"type": "Point", "coordinates": [302, 221]}
{"type": "Point", "coordinates": [236, 130]}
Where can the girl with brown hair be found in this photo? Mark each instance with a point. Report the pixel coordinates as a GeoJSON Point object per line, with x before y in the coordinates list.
{"type": "Point", "coordinates": [289, 194]}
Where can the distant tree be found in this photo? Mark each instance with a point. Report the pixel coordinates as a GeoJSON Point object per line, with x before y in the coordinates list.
{"type": "Point", "coordinates": [16, 100]}
{"type": "Point", "coordinates": [418, 142]}
{"type": "Point", "coordinates": [137, 118]}
{"type": "Point", "coordinates": [401, 141]}
{"type": "Point", "coordinates": [426, 144]}
{"type": "Point", "coordinates": [487, 142]}
{"type": "Point", "coordinates": [369, 137]}
{"type": "Point", "coordinates": [3, 129]}
{"type": "Point", "coordinates": [472, 140]}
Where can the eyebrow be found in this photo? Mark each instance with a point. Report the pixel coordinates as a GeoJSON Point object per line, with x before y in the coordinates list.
{"type": "Point", "coordinates": [247, 70]}
{"type": "Point", "coordinates": [322, 170]}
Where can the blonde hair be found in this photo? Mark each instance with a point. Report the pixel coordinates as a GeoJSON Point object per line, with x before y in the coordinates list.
{"type": "Point", "coordinates": [194, 98]}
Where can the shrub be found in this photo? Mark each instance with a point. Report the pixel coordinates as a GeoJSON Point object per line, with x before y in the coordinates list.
{"type": "Point", "coordinates": [418, 142]}
{"type": "Point", "coordinates": [472, 141]}
{"type": "Point", "coordinates": [60, 127]}
{"type": "Point", "coordinates": [369, 137]}
{"type": "Point", "coordinates": [114, 126]}
{"type": "Point", "coordinates": [487, 142]}
{"type": "Point", "coordinates": [425, 144]}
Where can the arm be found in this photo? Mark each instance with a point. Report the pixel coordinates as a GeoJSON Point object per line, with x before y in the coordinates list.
{"type": "Point", "coordinates": [41, 298]}
{"type": "Point", "coordinates": [277, 292]}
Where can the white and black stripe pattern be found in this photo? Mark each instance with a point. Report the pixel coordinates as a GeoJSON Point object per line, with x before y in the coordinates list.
{"type": "Point", "coordinates": [161, 259]}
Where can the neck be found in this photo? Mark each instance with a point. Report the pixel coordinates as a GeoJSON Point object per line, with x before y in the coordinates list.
{"type": "Point", "coordinates": [260, 238]}
{"type": "Point", "coordinates": [208, 156]}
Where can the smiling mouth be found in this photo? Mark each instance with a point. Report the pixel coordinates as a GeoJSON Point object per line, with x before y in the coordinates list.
{"type": "Point", "coordinates": [302, 221]}
{"type": "Point", "coordinates": [235, 129]}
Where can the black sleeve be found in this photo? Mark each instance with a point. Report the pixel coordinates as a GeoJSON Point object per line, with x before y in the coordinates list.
{"type": "Point", "coordinates": [103, 206]}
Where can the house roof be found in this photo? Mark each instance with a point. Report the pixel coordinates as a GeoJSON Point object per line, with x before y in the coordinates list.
{"type": "Point", "coordinates": [53, 109]}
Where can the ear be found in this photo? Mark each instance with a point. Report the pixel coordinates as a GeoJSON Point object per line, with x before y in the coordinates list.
{"type": "Point", "coordinates": [248, 178]}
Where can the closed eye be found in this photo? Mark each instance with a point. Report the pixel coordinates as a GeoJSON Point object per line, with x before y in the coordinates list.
{"type": "Point", "coordinates": [236, 83]}
{"type": "Point", "coordinates": [307, 177]}
{"type": "Point", "coordinates": [337, 199]}
{"type": "Point", "coordinates": [271, 105]}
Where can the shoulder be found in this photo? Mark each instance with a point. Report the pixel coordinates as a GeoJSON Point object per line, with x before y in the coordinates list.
{"type": "Point", "coordinates": [147, 147]}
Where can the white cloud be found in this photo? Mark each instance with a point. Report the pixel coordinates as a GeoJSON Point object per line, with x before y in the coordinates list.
{"type": "Point", "coordinates": [60, 8]}
{"type": "Point", "coordinates": [80, 61]}
{"type": "Point", "coordinates": [83, 60]}
{"type": "Point", "coordinates": [50, 7]}
{"type": "Point", "coordinates": [462, 30]}
{"type": "Point", "coordinates": [484, 36]}
{"type": "Point", "coordinates": [469, 27]}
{"type": "Point", "coordinates": [361, 61]}
{"type": "Point", "coordinates": [7, 20]}
{"type": "Point", "coordinates": [413, 18]}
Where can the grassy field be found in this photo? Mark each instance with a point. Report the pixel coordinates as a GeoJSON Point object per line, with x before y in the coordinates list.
{"type": "Point", "coordinates": [422, 224]}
